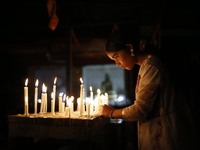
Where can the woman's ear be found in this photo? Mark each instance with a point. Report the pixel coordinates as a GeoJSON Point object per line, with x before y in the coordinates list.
{"type": "Point", "coordinates": [131, 49]}
{"type": "Point", "coordinates": [142, 44]}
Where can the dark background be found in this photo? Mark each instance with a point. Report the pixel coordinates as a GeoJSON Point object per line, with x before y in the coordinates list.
{"type": "Point", "coordinates": [25, 22]}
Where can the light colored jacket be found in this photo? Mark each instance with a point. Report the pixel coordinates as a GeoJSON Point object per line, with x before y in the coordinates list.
{"type": "Point", "coordinates": [165, 121]}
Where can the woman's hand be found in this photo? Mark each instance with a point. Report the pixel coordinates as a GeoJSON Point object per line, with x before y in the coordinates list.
{"type": "Point", "coordinates": [105, 110]}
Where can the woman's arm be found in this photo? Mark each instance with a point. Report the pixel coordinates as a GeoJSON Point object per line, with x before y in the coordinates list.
{"type": "Point", "coordinates": [110, 112]}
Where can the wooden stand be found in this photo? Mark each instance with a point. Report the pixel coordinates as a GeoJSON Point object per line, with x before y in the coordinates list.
{"type": "Point", "coordinates": [53, 128]}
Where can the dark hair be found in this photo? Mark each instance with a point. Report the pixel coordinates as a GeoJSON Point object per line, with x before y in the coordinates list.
{"type": "Point", "coordinates": [117, 41]}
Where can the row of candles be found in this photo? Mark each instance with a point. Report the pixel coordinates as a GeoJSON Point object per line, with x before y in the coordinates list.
{"type": "Point", "coordinates": [85, 106]}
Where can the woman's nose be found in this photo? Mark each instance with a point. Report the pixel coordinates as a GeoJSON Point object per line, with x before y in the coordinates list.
{"type": "Point", "coordinates": [117, 63]}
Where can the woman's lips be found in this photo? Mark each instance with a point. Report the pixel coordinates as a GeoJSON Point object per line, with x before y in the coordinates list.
{"type": "Point", "coordinates": [122, 67]}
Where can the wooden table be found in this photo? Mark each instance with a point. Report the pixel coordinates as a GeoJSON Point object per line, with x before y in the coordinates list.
{"type": "Point", "coordinates": [21, 126]}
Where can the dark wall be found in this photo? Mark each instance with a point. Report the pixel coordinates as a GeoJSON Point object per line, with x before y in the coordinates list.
{"type": "Point", "coordinates": [12, 75]}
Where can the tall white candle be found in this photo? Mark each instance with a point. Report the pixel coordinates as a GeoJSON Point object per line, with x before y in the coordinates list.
{"type": "Point", "coordinates": [84, 103]}
{"type": "Point", "coordinates": [36, 96]}
{"type": "Point", "coordinates": [88, 109]}
{"type": "Point", "coordinates": [26, 97]}
{"type": "Point", "coordinates": [106, 98]}
{"type": "Point", "coordinates": [78, 105]}
{"type": "Point", "coordinates": [43, 98]}
{"type": "Point", "coordinates": [26, 106]}
{"type": "Point", "coordinates": [63, 103]}
{"type": "Point", "coordinates": [103, 99]}
{"type": "Point", "coordinates": [52, 104]}
{"type": "Point", "coordinates": [45, 95]}
{"type": "Point", "coordinates": [91, 106]}
{"type": "Point", "coordinates": [71, 105]}
{"type": "Point", "coordinates": [81, 96]}
{"type": "Point", "coordinates": [67, 108]}
{"type": "Point", "coordinates": [60, 102]}
{"type": "Point", "coordinates": [98, 100]}
{"type": "Point", "coordinates": [54, 92]}
{"type": "Point", "coordinates": [91, 93]}
{"type": "Point", "coordinates": [67, 111]}
{"type": "Point", "coordinates": [91, 101]}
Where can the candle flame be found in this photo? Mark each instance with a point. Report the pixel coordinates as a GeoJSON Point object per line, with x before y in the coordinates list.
{"type": "Point", "coordinates": [26, 82]}
{"type": "Point", "coordinates": [64, 97]}
{"type": "Point", "coordinates": [61, 94]}
{"type": "Point", "coordinates": [81, 80]}
{"type": "Point", "coordinates": [98, 91]}
{"type": "Point", "coordinates": [90, 88]}
{"type": "Point", "coordinates": [55, 80]}
{"type": "Point", "coordinates": [52, 95]}
{"type": "Point", "coordinates": [72, 98]}
{"type": "Point", "coordinates": [36, 82]}
{"type": "Point", "coordinates": [44, 88]}
{"type": "Point", "coordinates": [67, 101]}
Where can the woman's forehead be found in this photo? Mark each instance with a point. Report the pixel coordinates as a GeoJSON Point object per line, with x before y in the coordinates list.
{"type": "Point", "coordinates": [112, 54]}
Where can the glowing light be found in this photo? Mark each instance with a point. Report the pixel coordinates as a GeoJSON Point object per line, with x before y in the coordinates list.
{"type": "Point", "coordinates": [55, 80]}
{"type": "Point", "coordinates": [81, 80]}
{"type": "Point", "coordinates": [36, 83]}
{"type": "Point", "coordinates": [26, 82]}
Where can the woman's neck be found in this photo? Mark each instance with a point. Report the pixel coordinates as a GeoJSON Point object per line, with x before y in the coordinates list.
{"type": "Point", "coordinates": [140, 58]}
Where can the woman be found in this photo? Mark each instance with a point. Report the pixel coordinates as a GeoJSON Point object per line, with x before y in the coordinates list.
{"type": "Point", "coordinates": [164, 117]}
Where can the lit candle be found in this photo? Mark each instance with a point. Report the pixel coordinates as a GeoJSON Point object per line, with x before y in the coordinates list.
{"type": "Point", "coordinates": [63, 103]}
{"type": "Point", "coordinates": [84, 103]}
{"type": "Point", "coordinates": [78, 105]}
{"type": "Point", "coordinates": [98, 100]}
{"type": "Point", "coordinates": [26, 106]}
{"type": "Point", "coordinates": [52, 104]}
{"type": "Point", "coordinates": [54, 92]}
{"type": "Point", "coordinates": [36, 96]}
{"type": "Point", "coordinates": [81, 96]}
{"type": "Point", "coordinates": [106, 98]}
{"type": "Point", "coordinates": [67, 108]}
{"type": "Point", "coordinates": [26, 97]}
{"type": "Point", "coordinates": [88, 107]}
{"type": "Point", "coordinates": [91, 106]}
{"type": "Point", "coordinates": [103, 99]}
{"type": "Point", "coordinates": [91, 93]}
{"type": "Point", "coordinates": [71, 105]}
{"type": "Point", "coordinates": [91, 101]}
{"type": "Point", "coordinates": [43, 98]}
{"type": "Point", "coordinates": [67, 111]}
{"type": "Point", "coordinates": [60, 102]}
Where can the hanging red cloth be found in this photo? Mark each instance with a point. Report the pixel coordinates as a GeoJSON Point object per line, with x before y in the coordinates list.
{"type": "Point", "coordinates": [51, 8]}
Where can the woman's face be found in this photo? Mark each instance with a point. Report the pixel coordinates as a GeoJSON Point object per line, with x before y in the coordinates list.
{"type": "Point", "coordinates": [122, 59]}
